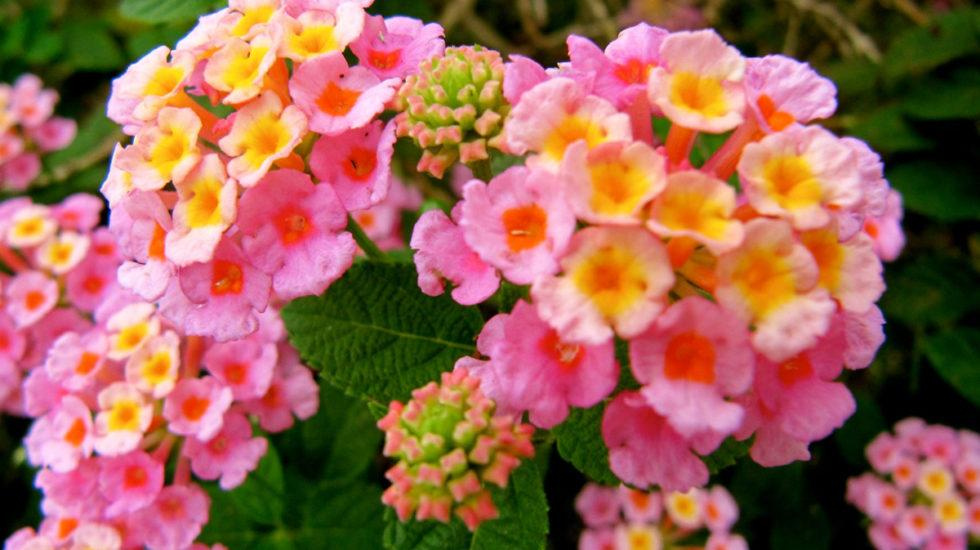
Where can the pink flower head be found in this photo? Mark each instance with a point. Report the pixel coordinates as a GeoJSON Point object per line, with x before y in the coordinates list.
{"type": "Point", "coordinates": [29, 296]}
{"type": "Point", "coordinates": [130, 482]}
{"type": "Point", "coordinates": [239, 68]}
{"type": "Point", "coordinates": [124, 415]}
{"type": "Point", "coordinates": [795, 403]}
{"type": "Point", "coordinates": [697, 206]}
{"type": "Point", "coordinates": [915, 525]}
{"type": "Point", "coordinates": [597, 505]}
{"type": "Point", "coordinates": [230, 455]}
{"type": "Point", "coordinates": [699, 82]}
{"type": "Point", "coordinates": [28, 225]}
{"type": "Point", "coordinates": [771, 281]}
{"type": "Point", "coordinates": [196, 407]}
{"type": "Point", "coordinates": [850, 271]}
{"type": "Point", "coordinates": [780, 91]}
{"type": "Point", "coordinates": [18, 173]}
{"type": "Point", "coordinates": [720, 509]}
{"type": "Point", "coordinates": [54, 134]}
{"type": "Point", "coordinates": [689, 360]}
{"type": "Point", "coordinates": [246, 366]}
{"type": "Point", "coordinates": [336, 97]}
{"type": "Point", "coordinates": [543, 374]}
{"type": "Point", "coordinates": [967, 470]}
{"type": "Point", "coordinates": [318, 32]}
{"type": "Point", "coordinates": [441, 253]}
{"type": "Point", "coordinates": [884, 452]}
{"type": "Point", "coordinates": [292, 392]}
{"type": "Point", "coordinates": [74, 360]}
{"type": "Point", "coordinates": [556, 113]}
{"type": "Point", "coordinates": [394, 47]}
{"type": "Point", "coordinates": [148, 85]}
{"type": "Point", "coordinates": [613, 181]}
{"type": "Point", "coordinates": [644, 450]}
{"type": "Point", "coordinates": [154, 367]}
{"type": "Point", "coordinates": [293, 231]}
{"type": "Point", "coordinates": [219, 298]}
{"type": "Point", "coordinates": [886, 230]}
{"type": "Point", "coordinates": [803, 174]}
{"type": "Point", "coordinates": [175, 519]}
{"type": "Point", "coordinates": [61, 253]}
{"type": "Point", "coordinates": [622, 70]}
{"type": "Point", "coordinates": [79, 212]}
{"type": "Point", "coordinates": [262, 133]}
{"type": "Point", "coordinates": [520, 75]}
{"type": "Point", "coordinates": [62, 437]}
{"type": "Point", "coordinates": [935, 479]}
{"type": "Point", "coordinates": [164, 152]}
{"type": "Point", "coordinates": [206, 207]}
{"type": "Point", "coordinates": [950, 512]}
{"type": "Point", "coordinates": [357, 163]}
{"type": "Point", "coordinates": [686, 509]}
{"type": "Point", "coordinates": [641, 506]}
{"type": "Point", "coordinates": [130, 328]}
{"type": "Point", "coordinates": [30, 102]}
{"type": "Point", "coordinates": [885, 502]}
{"type": "Point", "coordinates": [141, 222]}
{"type": "Point", "coordinates": [518, 223]}
{"type": "Point", "coordinates": [615, 279]}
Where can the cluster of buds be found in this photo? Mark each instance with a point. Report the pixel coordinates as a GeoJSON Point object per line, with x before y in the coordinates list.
{"type": "Point", "coordinates": [28, 129]}
{"type": "Point", "coordinates": [925, 488]}
{"type": "Point", "coordinates": [254, 144]}
{"type": "Point", "coordinates": [628, 519]}
{"type": "Point", "coordinates": [114, 388]}
{"type": "Point", "coordinates": [450, 443]}
{"type": "Point", "coordinates": [454, 108]}
{"type": "Point", "coordinates": [742, 284]}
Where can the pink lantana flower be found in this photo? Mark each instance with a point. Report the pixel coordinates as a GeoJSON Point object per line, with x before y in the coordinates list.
{"type": "Point", "coordinates": [886, 230]}
{"type": "Point", "coordinates": [164, 152]}
{"type": "Point", "coordinates": [292, 392]}
{"type": "Point", "coordinates": [75, 360]}
{"type": "Point", "coordinates": [556, 113]}
{"type": "Point", "coordinates": [196, 407]}
{"type": "Point", "coordinates": [538, 372]}
{"type": "Point", "coordinates": [394, 47]}
{"type": "Point", "coordinates": [246, 366]}
{"type": "Point", "coordinates": [62, 437]}
{"type": "Point", "coordinates": [124, 415]}
{"type": "Point", "coordinates": [720, 509]}
{"type": "Point", "coordinates": [148, 85]}
{"type": "Point", "coordinates": [79, 212]}
{"type": "Point", "coordinates": [850, 271]}
{"type": "Point", "coordinates": [694, 356]}
{"type": "Point", "coordinates": [262, 133]}
{"type": "Point", "coordinates": [130, 482]}
{"type": "Point", "coordinates": [154, 366]}
{"type": "Point", "coordinates": [206, 207]}
{"type": "Point", "coordinates": [336, 97]}
{"type": "Point", "coordinates": [316, 32]}
{"type": "Point", "coordinates": [357, 163]}
{"type": "Point", "coordinates": [175, 519]}
{"type": "Point", "coordinates": [239, 68]}
{"type": "Point", "coordinates": [598, 506]}
{"type": "Point", "coordinates": [615, 279]}
{"type": "Point", "coordinates": [141, 222]}
{"type": "Point", "coordinates": [640, 506]}
{"type": "Point", "coordinates": [230, 455]}
{"type": "Point", "coordinates": [619, 73]}
{"type": "Point", "coordinates": [61, 253]}
{"type": "Point", "coordinates": [520, 75]}
{"type": "Point", "coordinates": [518, 223]}
{"type": "Point", "coordinates": [18, 173]}
{"type": "Point", "coordinates": [293, 231]}
{"type": "Point", "coordinates": [130, 328]}
{"type": "Point", "coordinates": [28, 225]}
{"type": "Point", "coordinates": [697, 206]}
{"type": "Point", "coordinates": [441, 253]}
{"type": "Point", "coordinates": [219, 298]}
{"type": "Point", "coordinates": [29, 296]}
{"type": "Point", "coordinates": [644, 450]}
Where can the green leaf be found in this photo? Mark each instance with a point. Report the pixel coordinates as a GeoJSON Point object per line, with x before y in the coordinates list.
{"type": "Point", "coordinates": [956, 357]}
{"type": "Point", "coordinates": [886, 130]}
{"type": "Point", "coordinates": [945, 191]}
{"type": "Point", "coordinates": [90, 47]}
{"type": "Point", "coordinates": [523, 521]}
{"type": "Point", "coordinates": [726, 455]}
{"type": "Point", "coordinates": [918, 49]}
{"type": "Point", "coordinates": [929, 290]}
{"type": "Point", "coordinates": [260, 498]}
{"type": "Point", "coordinates": [349, 516]}
{"type": "Point", "coordinates": [163, 11]}
{"type": "Point", "coordinates": [375, 335]}
{"type": "Point", "coordinates": [956, 97]}
{"type": "Point", "coordinates": [860, 429]}
{"type": "Point", "coordinates": [580, 443]}
{"type": "Point", "coordinates": [423, 535]}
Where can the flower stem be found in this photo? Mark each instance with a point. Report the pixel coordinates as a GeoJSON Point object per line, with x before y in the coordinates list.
{"type": "Point", "coordinates": [361, 238]}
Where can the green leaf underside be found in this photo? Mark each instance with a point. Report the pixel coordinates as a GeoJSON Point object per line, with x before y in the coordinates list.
{"type": "Point", "coordinates": [580, 442]}
{"type": "Point", "coordinates": [375, 335]}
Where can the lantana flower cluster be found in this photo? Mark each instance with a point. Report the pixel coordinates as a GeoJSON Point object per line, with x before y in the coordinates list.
{"type": "Point", "coordinates": [742, 284]}
{"type": "Point", "coordinates": [254, 140]}
{"type": "Point", "coordinates": [622, 518]}
{"type": "Point", "coordinates": [28, 129]}
{"type": "Point", "coordinates": [126, 407]}
{"type": "Point", "coordinates": [924, 490]}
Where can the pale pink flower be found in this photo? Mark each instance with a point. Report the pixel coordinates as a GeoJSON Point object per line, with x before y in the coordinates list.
{"type": "Point", "coordinates": [641, 506]}
{"type": "Point", "coordinates": [29, 296]}
{"type": "Point", "coordinates": [314, 33]}
{"type": "Point", "coordinates": [915, 525]}
{"type": "Point", "coordinates": [720, 509]}
{"type": "Point", "coordinates": [441, 253]}
{"type": "Point", "coordinates": [18, 173]}
{"type": "Point", "coordinates": [864, 334]}
{"type": "Point", "coordinates": [196, 407]}
{"type": "Point", "coordinates": [95, 535]}
{"type": "Point", "coordinates": [598, 506]}
{"type": "Point", "coordinates": [124, 415]}
{"type": "Point", "coordinates": [164, 152]}
{"type": "Point", "coordinates": [725, 541]}
{"type": "Point", "coordinates": [357, 163]}
{"type": "Point", "coordinates": [619, 73]}
{"type": "Point", "coordinates": [12, 341]}
{"type": "Point", "coordinates": [697, 206]}
{"type": "Point", "coordinates": [336, 97]}
{"type": "Point", "coordinates": [141, 222]}
{"type": "Point", "coordinates": [780, 90]}
{"type": "Point", "coordinates": [520, 75]}
{"type": "Point", "coordinates": [886, 230]}
{"type": "Point", "coordinates": [686, 508]}
{"type": "Point", "coordinates": [246, 366]}
{"type": "Point", "coordinates": [54, 134]}
{"type": "Point", "coordinates": [175, 519]}
{"type": "Point", "coordinates": [206, 207]}
{"type": "Point", "coordinates": [293, 231]}
{"type": "Point", "coordinates": [239, 68]}
{"type": "Point", "coordinates": [78, 212]}
{"type": "Point", "coordinates": [263, 132]}
{"type": "Point", "coordinates": [75, 360]}
{"type": "Point", "coordinates": [230, 455]}
{"type": "Point", "coordinates": [849, 270]}
{"type": "Point", "coordinates": [26, 539]}
{"type": "Point", "coordinates": [154, 366]}
{"type": "Point", "coordinates": [637, 535]}
{"type": "Point", "coordinates": [130, 482]}
{"type": "Point", "coordinates": [148, 85]}
{"type": "Point", "coordinates": [10, 146]}
{"type": "Point", "coordinates": [62, 437]}
{"type": "Point", "coordinates": [597, 539]}
{"type": "Point", "coordinates": [61, 253]}
{"type": "Point", "coordinates": [28, 225]}
{"type": "Point", "coordinates": [130, 328]}
{"type": "Point", "coordinates": [394, 47]}
{"type": "Point", "coordinates": [292, 392]}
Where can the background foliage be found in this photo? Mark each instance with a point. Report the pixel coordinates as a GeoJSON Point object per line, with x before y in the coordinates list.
{"type": "Point", "coordinates": [908, 75]}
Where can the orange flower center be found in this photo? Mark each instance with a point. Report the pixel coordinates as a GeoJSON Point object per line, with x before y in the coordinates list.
{"type": "Point", "coordinates": [33, 299]}
{"type": "Point", "coordinates": [86, 363]}
{"type": "Point", "coordinates": [525, 226]}
{"type": "Point", "coordinates": [794, 370]}
{"type": "Point", "coordinates": [76, 433]}
{"type": "Point", "coordinates": [226, 278]}
{"type": "Point", "coordinates": [293, 225]}
{"type": "Point", "coordinates": [568, 356]}
{"type": "Point", "coordinates": [194, 407]}
{"type": "Point", "coordinates": [134, 476]}
{"type": "Point", "coordinates": [384, 60]}
{"type": "Point", "coordinates": [337, 101]}
{"type": "Point", "coordinates": [690, 356]}
{"type": "Point", "coordinates": [360, 163]}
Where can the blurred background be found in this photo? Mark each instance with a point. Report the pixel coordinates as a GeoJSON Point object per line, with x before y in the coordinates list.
{"type": "Point", "coordinates": [908, 78]}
